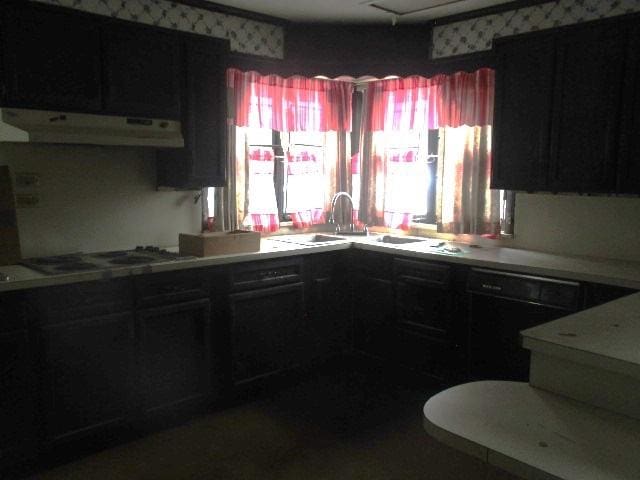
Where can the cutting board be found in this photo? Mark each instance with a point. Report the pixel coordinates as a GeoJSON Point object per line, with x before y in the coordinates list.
{"type": "Point", "coordinates": [9, 240]}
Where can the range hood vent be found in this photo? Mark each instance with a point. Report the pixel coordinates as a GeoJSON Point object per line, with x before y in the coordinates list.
{"type": "Point", "coordinates": [39, 126]}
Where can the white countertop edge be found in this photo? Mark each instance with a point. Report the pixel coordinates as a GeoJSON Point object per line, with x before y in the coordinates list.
{"type": "Point", "coordinates": [455, 441]}
{"type": "Point", "coordinates": [603, 337]}
{"type": "Point", "coordinates": [562, 273]}
{"type": "Point", "coordinates": [583, 357]}
{"type": "Point", "coordinates": [37, 280]}
{"type": "Point", "coordinates": [278, 249]}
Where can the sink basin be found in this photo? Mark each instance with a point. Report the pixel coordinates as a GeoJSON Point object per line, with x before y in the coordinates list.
{"type": "Point", "coordinates": [399, 240]}
{"type": "Point", "coordinates": [320, 238]}
{"type": "Point", "coordinates": [315, 238]}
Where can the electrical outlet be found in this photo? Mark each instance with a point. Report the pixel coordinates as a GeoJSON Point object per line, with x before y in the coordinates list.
{"type": "Point", "coordinates": [27, 200]}
{"type": "Point", "coordinates": [27, 180]}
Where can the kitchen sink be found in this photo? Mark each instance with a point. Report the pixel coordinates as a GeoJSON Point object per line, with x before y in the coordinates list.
{"type": "Point", "coordinates": [314, 239]}
{"type": "Point", "coordinates": [320, 238]}
{"type": "Point", "coordinates": [399, 240]}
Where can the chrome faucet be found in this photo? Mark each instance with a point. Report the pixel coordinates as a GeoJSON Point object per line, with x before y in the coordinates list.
{"type": "Point", "coordinates": [332, 218]}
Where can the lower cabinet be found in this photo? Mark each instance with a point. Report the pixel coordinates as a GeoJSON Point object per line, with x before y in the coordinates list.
{"type": "Point", "coordinates": [17, 412]}
{"type": "Point", "coordinates": [87, 372]}
{"type": "Point", "coordinates": [174, 354]}
{"type": "Point", "coordinates": [265, 326]}
{"type": "Point", "coordinates": [424, 315]}
{"type": "Point", "coordinates": [328, 306]}
{"type": "Point", "coordinates": [373, 304]}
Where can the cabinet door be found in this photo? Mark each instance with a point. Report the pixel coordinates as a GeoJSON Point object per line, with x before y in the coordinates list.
{"type": "Point", "coordinates": [87, 368]}
{"type": "Point", "coordinates": [328, 306]}
{"type": "Point", "coordinates": [174, 354]}
{"type": "Point", "coordinates": [202, 162]}
{"type": "Point", "coordinates": [51, 59]}
{"type": "Point", "coordinates": [373, 315]}
{"type": "Point", "coordinates": [628, 164]}
{"type": "Point", "coordinates": [266, 327]}
{"type": "Point", "coordinates": [524, 83]}
{"type": "Point", "coordinates": [586, 109]}
{"type": "Point", "coordinates": [424, 298]}
{"type": "Point", "coordinates": [142, 70]}
{"type": "Point", "coordinates": [17, 409]}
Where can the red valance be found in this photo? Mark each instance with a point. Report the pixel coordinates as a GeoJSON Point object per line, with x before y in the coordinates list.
{"type": "Point", "coordinates": [289, 104]}
{"type": "Point", "coordinates": [415, 102]}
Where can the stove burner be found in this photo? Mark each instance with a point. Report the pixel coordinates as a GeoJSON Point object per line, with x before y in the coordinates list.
{"type": "Point", "coordinates": [114, 254]}
{"type": "Point", "coordinates": [58, 260]}
{"type": "Point", "coordinates": [131, 260]}
{"type": "Point", "coordinates": [76, 267]}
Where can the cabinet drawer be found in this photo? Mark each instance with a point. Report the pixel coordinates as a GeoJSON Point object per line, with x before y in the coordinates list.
{"type": "Point", "coordinates": [171, 287]}
{"type": "Point", "coordinates": [250, 276]}
{"type": "Point", "coordinates": [12, 312]}
{"type": "Point", "coordinates": [372, 264]}
{"type": "Point", "coordinates": [81, 300]}
{"type": "Point", "coordinates": [422, 272]}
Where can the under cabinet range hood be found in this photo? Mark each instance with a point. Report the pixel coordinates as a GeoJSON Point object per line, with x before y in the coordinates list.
{"type": "Point", "coordinates": [39, 126]}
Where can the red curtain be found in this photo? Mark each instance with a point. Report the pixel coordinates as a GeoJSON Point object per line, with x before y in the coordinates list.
{"type": "Point", "coordinates": [289, 104]}
{"type": "Point", "coordinates": [419, 103]}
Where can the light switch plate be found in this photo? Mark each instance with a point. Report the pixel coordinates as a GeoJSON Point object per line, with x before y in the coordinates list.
{"type": "Point", "coordinates": [27, 200]}
{"type": "Point", "coordinates": [27, 180]}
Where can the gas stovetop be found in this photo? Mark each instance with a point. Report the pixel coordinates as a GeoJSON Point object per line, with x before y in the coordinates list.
{"type": "Point", "coordinates": [82, 262]}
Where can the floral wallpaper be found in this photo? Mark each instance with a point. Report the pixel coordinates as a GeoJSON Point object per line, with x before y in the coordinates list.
{"type": "Point", "coordinates": [246, 36]}
{"type": "Point", "coordinates": [478, 33]}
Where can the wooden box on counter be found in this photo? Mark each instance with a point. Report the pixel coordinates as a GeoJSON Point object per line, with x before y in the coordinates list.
{"type": "Point", "coordinates": [218, 243]}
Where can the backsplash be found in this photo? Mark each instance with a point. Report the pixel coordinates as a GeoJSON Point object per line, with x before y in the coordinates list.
{"type": "Point", "coordinates": [245, 36]}
{"type": "Point", "coordinates": [596, 226]}
{"type": "Point", "coordinates": [477, 34]}
{"type": "Point", "coordinates": [96, 199]}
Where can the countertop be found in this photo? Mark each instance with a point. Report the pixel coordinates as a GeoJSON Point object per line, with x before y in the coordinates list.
{"type": "Point", "coordinates": [535, 434]}
{"type": "Point", "coordinates": [605, 337]}
{"type": "Point", "coordinates": [611, 272]}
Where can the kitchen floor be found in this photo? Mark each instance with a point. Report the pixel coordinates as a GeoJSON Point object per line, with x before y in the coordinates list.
{"type": "Point", "coordinates": [355, 423]}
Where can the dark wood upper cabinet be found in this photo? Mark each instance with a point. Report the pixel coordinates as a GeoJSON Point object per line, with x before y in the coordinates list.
{"type": "Point", "coordinates": [628, 180]}
{"type": "Point", "coordinates": [51, 59]}
{"type": "Point", "coordinates": [58, 59]}
{"type": "Point", "coordinates": [142, 72]}
{"type": "Point", "coordinates": [202, 162]}
{"type": "Point", "coordinates": [586, 109]}
{"type": "Point", "coordinates": [524, 85]}
{"type": "Point", "coordinates": [567, 109]}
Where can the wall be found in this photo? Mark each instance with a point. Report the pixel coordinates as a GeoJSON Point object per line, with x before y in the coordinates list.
{"type": "Point", "coordinates": [96, 199]}
{"type": "Point", "coordinates": [606, 227]}
{"type": "Point", "coordinates": [378, 50]}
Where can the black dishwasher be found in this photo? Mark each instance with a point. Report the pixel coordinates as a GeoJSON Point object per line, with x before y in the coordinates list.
{"type": "Point", "coordinates": [502, 304]}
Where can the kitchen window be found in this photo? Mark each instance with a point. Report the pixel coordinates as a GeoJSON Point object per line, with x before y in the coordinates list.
{"type": "Point", "coordinates": [298, 171]}
{"type": "Point", "coordinates": [425, 155]}
{"type": "Point", "coordinates": [422, 152]}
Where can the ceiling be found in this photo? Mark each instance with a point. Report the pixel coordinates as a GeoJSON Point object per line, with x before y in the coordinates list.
{"type": "Point", "coordinates": [360, 11]}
